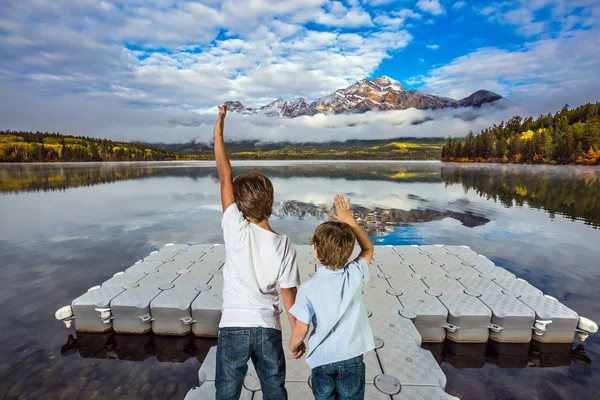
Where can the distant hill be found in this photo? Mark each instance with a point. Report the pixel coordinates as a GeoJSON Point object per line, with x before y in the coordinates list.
{"type": "Point", "coordinates": [18, 146]}
{"type": "Point", "coordinates": [389, 149]}
{"type": "Point", "coordinates": [381, 94]}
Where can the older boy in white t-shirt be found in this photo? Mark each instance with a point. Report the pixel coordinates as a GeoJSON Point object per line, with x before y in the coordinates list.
{"type": "Point", "coordinates": [257, 260]}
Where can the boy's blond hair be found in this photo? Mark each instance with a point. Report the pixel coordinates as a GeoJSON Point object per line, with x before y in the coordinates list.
{"type": "Point", "coordinates": [334, 242]}
{"type": "Point", "coordinates": [254, 196]}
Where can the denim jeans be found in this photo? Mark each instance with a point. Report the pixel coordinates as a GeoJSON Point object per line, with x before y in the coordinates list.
{"type": "Point", "coordinates": [263, 346]}
{"type": "Point", "coordinates": [344, 380]}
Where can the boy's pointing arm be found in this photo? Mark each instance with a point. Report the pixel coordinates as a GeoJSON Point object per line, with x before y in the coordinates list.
{"type": "Point", "coordinates": [223, 165]}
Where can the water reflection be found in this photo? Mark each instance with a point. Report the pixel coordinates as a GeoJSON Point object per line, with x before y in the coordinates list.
{"type": "Point", "coordinates": [509, 355]}
{"type": "Point", "coordinates": [46, 177]}
{"type": "Point", "coordinates": [570, 191]}
{"type": "Point", "coordinates": [115, 346]}
{"type": "Point", "coordinates": [66, 228]}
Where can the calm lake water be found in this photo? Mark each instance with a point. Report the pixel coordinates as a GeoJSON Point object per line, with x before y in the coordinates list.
{"type": "Point", "coordinates": [67, 227]}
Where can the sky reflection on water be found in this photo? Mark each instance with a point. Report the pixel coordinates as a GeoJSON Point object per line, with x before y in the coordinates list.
{"type": "Point", "coordinates": [66, 228]}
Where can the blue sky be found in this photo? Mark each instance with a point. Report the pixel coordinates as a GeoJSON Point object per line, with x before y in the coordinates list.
{"type": "Point", "coordinates": [156, 68]}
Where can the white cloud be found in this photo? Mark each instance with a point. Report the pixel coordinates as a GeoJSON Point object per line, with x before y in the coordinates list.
{"type": "Point", "coordinates": [336, 14]}
{"type": "Point", "coordinates": [547, 71]}
{"type": "Point", "coordinates": [529, 16]}
{"type": "Point", "coordinates": [431, 6]}
{"type": "Point", "coordinates": [433, 46]}
{"type": "Point", "coordinates": [396, 19]}
{"type": "Point", "coordinates": [458, 5]}
{"type": "Point", "coordinates": [174, 56]}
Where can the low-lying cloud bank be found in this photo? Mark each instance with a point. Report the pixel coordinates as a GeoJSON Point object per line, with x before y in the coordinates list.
{"type": "Point", "coordinates": [82, 115]}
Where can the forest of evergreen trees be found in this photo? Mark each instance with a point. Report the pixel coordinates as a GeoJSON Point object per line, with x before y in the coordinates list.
{"type": "Point", "coordinates": [567, 137]}
{"type": "Point", "coordinates": [17, 146]}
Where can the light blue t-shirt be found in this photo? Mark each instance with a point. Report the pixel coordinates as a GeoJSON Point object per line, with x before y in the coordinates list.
{"type": "Point", "coordinates": [333, 302]}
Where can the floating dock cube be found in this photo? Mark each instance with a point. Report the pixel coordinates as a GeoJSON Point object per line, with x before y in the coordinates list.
{"type": "Point", "coordinates": [417, 294]}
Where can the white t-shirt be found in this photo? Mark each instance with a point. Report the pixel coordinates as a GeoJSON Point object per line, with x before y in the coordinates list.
{"type": "Point", "coordinates": [256, 261]}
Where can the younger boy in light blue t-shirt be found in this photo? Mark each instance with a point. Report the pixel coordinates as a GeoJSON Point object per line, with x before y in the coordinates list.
{"type": "Point", "coordinates": [333, 302]}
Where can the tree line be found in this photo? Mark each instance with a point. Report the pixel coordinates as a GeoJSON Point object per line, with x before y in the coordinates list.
{"type": "Point", "coordinates": [571, 136]}
{"type": "Point", "coordinates": [19, 146]}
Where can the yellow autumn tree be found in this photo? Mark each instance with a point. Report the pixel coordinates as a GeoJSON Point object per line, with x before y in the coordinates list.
{"type": "Point", "coordinates": [589, 158]}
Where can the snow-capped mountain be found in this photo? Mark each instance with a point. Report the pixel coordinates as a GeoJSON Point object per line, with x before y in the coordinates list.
{"type": "Point", "coordinates": [381, 94]}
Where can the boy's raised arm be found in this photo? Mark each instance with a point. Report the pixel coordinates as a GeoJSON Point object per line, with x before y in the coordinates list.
{"type": "Point", "coordinates": [343, 214]}
{"type": "Point", "coordinates": [223, 164]}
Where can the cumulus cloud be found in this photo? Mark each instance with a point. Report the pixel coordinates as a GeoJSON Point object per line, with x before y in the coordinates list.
{"type": "Point", "coordinates": [431, 6]}
{"type": "Point", "coordinates": [557, 69]}
{"type": "Point", "coordinates": [433, 46]}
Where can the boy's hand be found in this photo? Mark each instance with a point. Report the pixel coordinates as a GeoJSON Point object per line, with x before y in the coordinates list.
{"type": "Point", "coordinates": [222, 111]}
{"type": "Point", "coordinates": [298, 351]}
{"type": "Point", "coordinates": [342, 209]}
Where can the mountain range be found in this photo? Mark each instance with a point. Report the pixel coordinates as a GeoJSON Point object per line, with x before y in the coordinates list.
{"type": "Point", "coordinates": [380, 94]}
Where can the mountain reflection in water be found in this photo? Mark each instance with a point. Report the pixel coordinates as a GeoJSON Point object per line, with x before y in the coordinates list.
{"type": "Point", "coordinates": [376, 221]}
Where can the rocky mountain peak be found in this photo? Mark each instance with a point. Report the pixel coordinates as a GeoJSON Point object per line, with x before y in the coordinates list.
{"type": "Point", "coordinates": [380, 94]}
{"type": "Point", "coordinates": [385, 82]}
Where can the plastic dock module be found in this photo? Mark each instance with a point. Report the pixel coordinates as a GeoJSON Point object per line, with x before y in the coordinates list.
{"type": "Point", "coordinates": [144, 266]}
{"type": "Point", "coordinates": [461, 271]}
{"type": "Point", "coordinates": [401, 277]}
{"type": "Point", "coordinates": [408, 365]}
{"type": "Point", "coordinates": [382, 307]}
{"type": "Point", "coordinates": [159, 278]}
{"type": "Point", "coordinates": [131, 309]}
{"type": "Point", "coordinates": [427, 313]}
{"type": "Point", "coordinates": [206, 309]}
{"type": "Point", "coordinates": [446, 283]}
{"type": "Point", "coordinates": [480, 285]}
{"type": "Point", "coordinates": [384, 251]}
{"type": "Point", "coordinates": [372, 393]}
{"type": "Point", "coordinates": [162, 255]}
{"type": "Point", "coordinates": [468, 316]}
{"type": "Point", "coordinates": [88, 307]}
{"type": "Point", "coordinates": [388, 258]}
{"type": "Point", "coordinates": [517, 286]}
{"type": "Point", "coordinates": [555, 322]}
{"type": "Point", "coordinates": [415, 257]}
{"type": "Point", "coordinates": [427, 267]}
{"type": "Point", "coordinates": [215, 258]}
{"type": "Point", "coordinates": [171, 312]}
{"type": "Point", "coordinates": [125, 278]}
{"type": "Point", "coordinates": [512, 320]}
{"type": "Point", "coordinates": [174, 266]}
{"type": "Point", "coordinates": [193, 253]}
{"type": "Point", "coordinates": [435, 252]}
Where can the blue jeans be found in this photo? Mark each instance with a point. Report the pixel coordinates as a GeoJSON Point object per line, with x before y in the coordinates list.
{"type": "Point", "coordinates": [263, 346]}
{"type": "Point", "coordinates": [344, 380]}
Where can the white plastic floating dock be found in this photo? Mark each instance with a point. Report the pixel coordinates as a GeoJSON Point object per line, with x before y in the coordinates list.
{"type": "Point", "coordinates": [417, 294]}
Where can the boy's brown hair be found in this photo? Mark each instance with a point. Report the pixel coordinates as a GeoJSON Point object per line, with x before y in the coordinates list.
{"type": "Point", "coordinates": [253, 195]}
{"type": "Point", "coordinates": [334, 242]}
